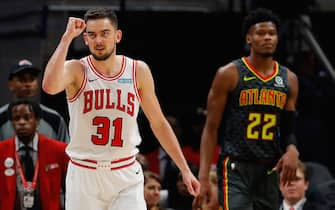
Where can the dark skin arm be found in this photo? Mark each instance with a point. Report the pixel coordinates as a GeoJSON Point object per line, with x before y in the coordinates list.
{"type": "Point", "coordinates": [224, 81]}
{"type": "Point", "coordinates": [288, 163]}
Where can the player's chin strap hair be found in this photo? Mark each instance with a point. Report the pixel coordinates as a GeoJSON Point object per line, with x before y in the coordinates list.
{"type": "Point", "coordinates": [287, 127]}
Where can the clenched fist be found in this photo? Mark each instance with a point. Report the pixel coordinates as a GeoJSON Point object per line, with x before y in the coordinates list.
{"type": "Point", "coordinates": [75, 27]}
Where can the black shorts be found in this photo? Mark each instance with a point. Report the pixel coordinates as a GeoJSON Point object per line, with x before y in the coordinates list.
{"type": "Point", "coordinates": [247, 185]}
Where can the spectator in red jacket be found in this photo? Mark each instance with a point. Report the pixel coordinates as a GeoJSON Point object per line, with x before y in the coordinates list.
{"type": "Point", "coordinates": [32, 166]}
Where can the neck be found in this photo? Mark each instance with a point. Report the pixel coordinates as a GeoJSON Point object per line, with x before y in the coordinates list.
{"type": "Point", "coordinates": [261, 63]}
{"type": "Point", "coordinates": [32, 98]}
{"type": "Point", "coordinates": [108, 67]}
{"type": "Point", "coordinates": [26, 139]}
{"type": "Point", "coordinates": [292, 202]}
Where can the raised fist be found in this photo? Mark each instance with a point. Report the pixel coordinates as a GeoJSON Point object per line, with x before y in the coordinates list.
{"type": "Point", "coordinates": [75, 27]}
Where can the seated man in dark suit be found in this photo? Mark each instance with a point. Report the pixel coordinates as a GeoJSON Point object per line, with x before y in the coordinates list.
{"type": "Point", "coordinates": [33, 166]}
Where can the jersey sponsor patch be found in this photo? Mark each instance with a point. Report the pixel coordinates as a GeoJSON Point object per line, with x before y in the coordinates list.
{"type": "Point", "coordinates": [125, 80]}
{"type": "Point", "coordinates": [279, 82]}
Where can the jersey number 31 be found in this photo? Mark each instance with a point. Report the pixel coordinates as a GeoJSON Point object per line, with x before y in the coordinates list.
{"type": "Point", "coordinates": [103, 127]}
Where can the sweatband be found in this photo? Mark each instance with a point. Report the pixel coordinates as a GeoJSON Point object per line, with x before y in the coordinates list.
{"type": "Point", "coordinates": [287, 128]}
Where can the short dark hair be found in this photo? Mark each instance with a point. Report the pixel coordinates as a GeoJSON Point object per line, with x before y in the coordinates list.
{"type": "Point", "coordinates": [99, 13]}
{"type": "Point", "coordinates": [259, 15]}
{"type": "Point", "coordinates": [33, 107]}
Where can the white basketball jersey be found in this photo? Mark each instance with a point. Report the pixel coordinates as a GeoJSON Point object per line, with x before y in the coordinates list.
{"type": "Point", "coordinates": [103, 114]}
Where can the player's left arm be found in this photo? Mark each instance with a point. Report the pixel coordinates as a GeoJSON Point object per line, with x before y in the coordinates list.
{"type": "Point", "coordinates": [160, 126]}
{"type": "Point", "coordinates": [289, 160]}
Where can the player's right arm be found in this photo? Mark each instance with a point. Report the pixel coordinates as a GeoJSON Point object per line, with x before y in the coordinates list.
{"type": "Point", "coordinates": [224, 82]}
{"type": "Point", "coordinates": [61, 74]}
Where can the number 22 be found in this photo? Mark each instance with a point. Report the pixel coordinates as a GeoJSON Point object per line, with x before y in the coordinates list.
{"type": "Point", "coordinates": [259, 126]}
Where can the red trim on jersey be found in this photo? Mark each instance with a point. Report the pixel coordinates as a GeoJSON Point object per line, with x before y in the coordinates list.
{"type": "Point", "coordinates": [91, 161]}
{"type": "Point", "coordinates": [260, 76]}
{"type": "Point", "coordinates": [122, 159]}
{"type": "Point", "coordinates": [112, 162]}
{"type": "Point", "coordinates": [124, 166]}
{"type": "Point", "coordinates": [80, 90]}
{"type": "Point", "coordinates": [82, 165]}
{"type": "Point", "coordinates": [92, 167]}
{"type": "Point", "coordinates": [103, 76]}
{"type": "Point", "coordinates": [135, 81]}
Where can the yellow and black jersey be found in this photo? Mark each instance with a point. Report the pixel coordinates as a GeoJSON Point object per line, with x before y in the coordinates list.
{"type": "Point", "coordinates": [252, 115]}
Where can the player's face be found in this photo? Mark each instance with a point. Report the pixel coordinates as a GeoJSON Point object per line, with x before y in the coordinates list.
{"type": "Point", "coordinates": [101, 38]}
{"type": "Point", "coordinates": [24, 85]}
{"type": "Point", "coordinates": [24, 122]}
{"type": "Point", "coordinates": [263, 38]}
{"type": "Point", "coordinates": [295, 190]}
{"type": "Point", "coordinates": [152, 192]}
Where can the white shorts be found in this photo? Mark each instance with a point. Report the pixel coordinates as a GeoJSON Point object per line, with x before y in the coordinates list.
{"type": "Point", "coordinates": [97, 186]}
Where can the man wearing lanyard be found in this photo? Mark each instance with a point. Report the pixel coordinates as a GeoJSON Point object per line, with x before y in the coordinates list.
{"type": "Point", "coordinates": [32, 166]}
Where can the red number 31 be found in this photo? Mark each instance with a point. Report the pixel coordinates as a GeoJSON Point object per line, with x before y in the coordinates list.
{"type": "Point", "coordinates": [102, 135]}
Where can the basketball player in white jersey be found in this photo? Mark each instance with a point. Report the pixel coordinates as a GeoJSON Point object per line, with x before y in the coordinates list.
{"type": "Point", "coordinates": [104, 93]}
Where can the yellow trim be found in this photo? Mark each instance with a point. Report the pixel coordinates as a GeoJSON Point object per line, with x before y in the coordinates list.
{"type": "Point", "coordinates": [225, 184]}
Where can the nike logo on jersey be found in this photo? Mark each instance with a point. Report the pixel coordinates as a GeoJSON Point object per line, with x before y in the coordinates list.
{"type": "Point", "coordinates": [92, 80]}
{"type": "Point", "coordinates": [245, 78]}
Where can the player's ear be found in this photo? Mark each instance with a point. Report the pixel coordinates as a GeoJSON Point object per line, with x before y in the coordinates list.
{"type": "Point", "coordinates": [118, 36]}
{"type": "Point", "coordinates": [248, 39]}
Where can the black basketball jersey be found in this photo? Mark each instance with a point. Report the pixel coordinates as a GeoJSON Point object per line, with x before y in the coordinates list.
{"type": "Point", "coordinates": [251, 119]}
